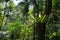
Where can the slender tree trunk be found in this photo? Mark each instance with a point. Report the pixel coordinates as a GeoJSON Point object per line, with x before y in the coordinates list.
{"type": "Point", "coordinates": [36, 13]}
{"type": "Point", "coordinates": [26, 10]}
{"type": "Point", "coordinates": [48, 7]}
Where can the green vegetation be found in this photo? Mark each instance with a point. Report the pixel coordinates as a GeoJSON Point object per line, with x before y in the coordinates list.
{"type": "Point", "coordinates": [30, 20]}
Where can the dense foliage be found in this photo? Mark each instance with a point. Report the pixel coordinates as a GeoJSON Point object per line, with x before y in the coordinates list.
{"type": "Point", "coordinates": [30, 20]}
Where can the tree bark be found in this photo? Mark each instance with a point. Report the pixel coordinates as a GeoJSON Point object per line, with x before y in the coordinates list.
{"type": "Point", "coordinates": [48, 7]}
{"type": "Point", "coordinates": [41, 27]}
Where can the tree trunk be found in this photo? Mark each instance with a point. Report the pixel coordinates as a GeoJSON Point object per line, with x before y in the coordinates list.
{"type": "Point", "coordinates": [48, 7]}
{"type": "Point", "coordinates": [40, 30]}
{"type": "Point", "coordinates": [41, 27]}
